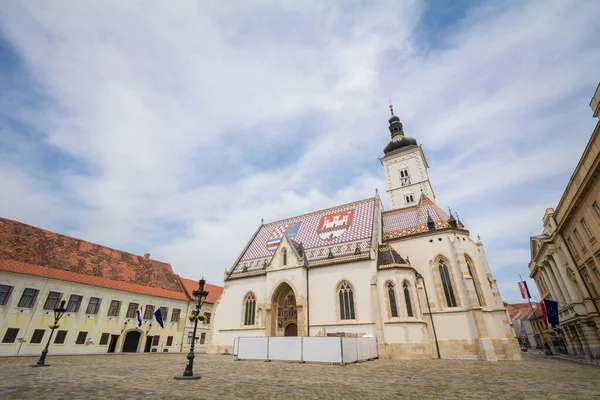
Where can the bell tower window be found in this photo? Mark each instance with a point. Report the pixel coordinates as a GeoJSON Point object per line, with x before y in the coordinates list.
{"type": "Point", "coordinates": [404, 177]}
{"type": "Point", "coordinates": [409, 198]}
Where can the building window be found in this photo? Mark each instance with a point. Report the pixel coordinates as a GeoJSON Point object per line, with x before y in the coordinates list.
{"type": "Point", "coordinates": [93, 305]}
{"type": "Point", "coordinates": [597, 208]}
{"type": "Point", "coordinates": [392, 297]}
{"type": "Point", "coordinates": [131, 310]}
{"type": "Point", "coordinates": [11, 335]}
{"type": "Point", "coordinates": [590, 284]}
{"type": "Point", "coordinates": [346, 298]}
{"type": "Point", "coordinates": [447, 283]}
{"type": "Point", "coordinates": [52, 300]}
{"type": "Point", "coordinates": [114, 309]}
{"type": "Point", "coordinates": [169, 340]}
{"type": "Point", "coordinates": [579, 239]}
{"type": "Point", "coordinates": [284, 254]}
{"type": "Point", "coordinates": [81, 336]}
{"type": "Point", "coordinates": [595, 271]}
{"type": "Point", "coordinates": [476, 282]}
{"type": "Point", "coordinates": [28, 298]}
{"type": "Point", "coordinates": [175, 315]}
{"type": "Point", "coordinates": [207, 317]}
{"type": "Point", "coordinates": [149, 312]}
{"type": "Point", "coordinates": [190, 337]}
{"type": "Point", "coordinates": [74, 303]}
{"type": "Point", "coordinates": [404, 177]}
{"type": "Point", "coordinates": [586, 227]}
{"type": "Point", "coordinates": [155, 340]}
{"type": "Point", "coordinates": [572, 247]}
{"type": "Point", "coordinates": [37, 336]}
{"type": "Point", "coordinates": [202, 337]}
{"type": "Point", "coordinates": [409, 198]}
{"type": "Point", "coordinates": [406, 289]}
{"type": "Point", "coordinates": [164, 311]}
{"type": "Point", "coordinates": [5, 292]}
{"type": "Point", "coordinates": [104, 339]}
{"type": "Point", "coordinates": [60, 337]}
{"type": "Point", "coordinates": [250, 309]}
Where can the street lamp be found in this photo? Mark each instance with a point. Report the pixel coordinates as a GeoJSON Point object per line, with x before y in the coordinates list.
{"type": "Point", "coordinates": [200, 296]}
{"type": "Point", "coordinates": [58, 313]}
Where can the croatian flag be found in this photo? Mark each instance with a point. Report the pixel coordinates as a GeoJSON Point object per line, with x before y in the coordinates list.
{"type": "Point", "coordinates": [139, 316]}
{"type": "Point", "coordinates": [524, 290]}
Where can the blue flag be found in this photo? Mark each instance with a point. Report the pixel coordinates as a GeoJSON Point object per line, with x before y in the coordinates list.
{"type": "Point", "coordinates": [551, 312]}
{"type": "Point", "coordinates": [158, 317]}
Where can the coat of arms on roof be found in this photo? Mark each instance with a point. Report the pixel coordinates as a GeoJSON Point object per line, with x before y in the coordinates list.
{"type": "Point", "coordinates": [335, 225]}
{"type": "Point", "coordinates": [288, 230]}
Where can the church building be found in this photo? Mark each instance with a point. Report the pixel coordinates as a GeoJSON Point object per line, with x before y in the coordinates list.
{"type": "Point", "coordinates": [412, 276]}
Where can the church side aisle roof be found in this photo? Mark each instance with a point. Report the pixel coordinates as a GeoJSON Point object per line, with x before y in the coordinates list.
{"type": "Point", "coordinates": [412, 220]}
{"type": "Point", "coordinates": [336, 231]}
{"type": "Point", "coordinates": [387, 257]}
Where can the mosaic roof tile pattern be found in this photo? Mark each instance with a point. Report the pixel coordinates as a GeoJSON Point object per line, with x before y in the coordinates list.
{"type": "Point", "coordinates": [411, 220]}
{"type": "Point", "coordinates": [338, 230]}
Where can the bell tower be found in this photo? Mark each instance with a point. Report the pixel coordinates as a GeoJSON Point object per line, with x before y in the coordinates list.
{"type": "Point", "coordinates": [405, 168]}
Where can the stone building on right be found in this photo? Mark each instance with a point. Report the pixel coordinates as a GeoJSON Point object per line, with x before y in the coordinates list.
{"type": "Point", "coordinates": [565, 258]}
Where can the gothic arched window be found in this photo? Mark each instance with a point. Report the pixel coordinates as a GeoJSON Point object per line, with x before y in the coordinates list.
{"type": "Point", "coordinates": [346, 298]}
{"type": "Point", "coordinates": [249, 309]}
{"type": "Point", "coordinates": [284, 256]}
{"type": "Point", "coordinates": [406, 290]}
{"type": "Point", "coordinates": [476, 283]}
{"type": "Point", "coordinates": [447, 283]}
{"type": "Point", "coordinates": [392, 296]}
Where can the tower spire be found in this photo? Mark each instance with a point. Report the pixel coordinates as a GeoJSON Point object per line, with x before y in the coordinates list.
{"type": "Point", "coordinates": [396, 129]}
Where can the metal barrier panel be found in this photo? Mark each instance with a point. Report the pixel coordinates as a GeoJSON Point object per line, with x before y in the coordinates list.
{"type": "Point", "coordinates": [349, 353]}
{"type": "Point", "coordinates": [322, 349]}
{"type": "Point", "coordinates": [285, 348]}
{"type": "Point", "coordinates": [252, 348]}
{"type": "Point", "coordinates": [235, 346]}
{"type": "Point", "coordinates": [363, 349]}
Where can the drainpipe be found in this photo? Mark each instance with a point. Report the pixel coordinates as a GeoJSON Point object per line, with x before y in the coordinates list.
{"type": "Point", "coordinates": [437, 346]}
{"type": "Point", "coordinates": [307, 304]}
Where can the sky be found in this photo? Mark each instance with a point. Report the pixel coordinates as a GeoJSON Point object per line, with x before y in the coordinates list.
{"type": "Point", "coordinates": [173, 129]}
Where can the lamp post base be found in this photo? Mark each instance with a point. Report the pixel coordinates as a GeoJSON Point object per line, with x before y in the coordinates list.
{"type": "Point", "coordinates": [40, 365]}
{"type": "Point", "coordinates": [184, 378]}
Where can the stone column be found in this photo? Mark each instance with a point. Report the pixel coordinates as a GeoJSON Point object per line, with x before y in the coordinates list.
{"type": "Point", "coordinates": [561, 263]}
{"type": "Point", "coordinates": [550, 283]}
{"type": "Point", "coordinates": [561, 278]}
{"type": "Point", "coordinates": [591, 336]}
{"type": "Point", "coordinates": [582, 337]}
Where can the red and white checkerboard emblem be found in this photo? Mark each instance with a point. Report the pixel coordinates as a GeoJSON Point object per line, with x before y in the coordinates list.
{"type": "Point", "coordinates": [275, 238]}
{"type": "Point", "coordinates": [335, 225]}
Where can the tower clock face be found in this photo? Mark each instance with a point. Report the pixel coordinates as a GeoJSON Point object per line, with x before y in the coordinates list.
{"type": "Point", "coordinates": [405, 181]}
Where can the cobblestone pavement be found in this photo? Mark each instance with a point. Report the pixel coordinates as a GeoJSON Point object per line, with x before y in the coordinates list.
{"type": "Point", "coordinates": [136, 376]}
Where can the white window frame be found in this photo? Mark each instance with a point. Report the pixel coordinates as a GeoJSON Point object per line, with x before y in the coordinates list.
{"type": "Point", "coordinates": [586, 227]}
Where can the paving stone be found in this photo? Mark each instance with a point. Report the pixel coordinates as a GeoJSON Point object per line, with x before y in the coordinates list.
{"type": "Point", "coordinates": [133, 376]}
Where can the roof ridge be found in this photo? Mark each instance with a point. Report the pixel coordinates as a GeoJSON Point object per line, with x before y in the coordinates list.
{"type": "Point", "coordinates": [323, 209]}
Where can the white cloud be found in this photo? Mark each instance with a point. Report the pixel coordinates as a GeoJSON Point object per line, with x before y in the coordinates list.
{"type": "Point", "coordinates": [171, 115]}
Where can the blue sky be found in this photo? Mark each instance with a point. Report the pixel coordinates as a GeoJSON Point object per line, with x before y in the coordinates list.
{"type": "Point", "coordinates": [174, 130]}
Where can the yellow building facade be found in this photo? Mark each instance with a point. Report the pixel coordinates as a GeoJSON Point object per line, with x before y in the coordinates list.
{"type": "Point", "coordinates": [103, 290]}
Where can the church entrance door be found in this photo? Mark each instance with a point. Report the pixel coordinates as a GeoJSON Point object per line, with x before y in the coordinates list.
{"type": "Point", "coordinates": [285, 322]}
{"type": "Point", "coordinates": [291, 330]}
{"type": "Point", "coordinates": [132, 339]}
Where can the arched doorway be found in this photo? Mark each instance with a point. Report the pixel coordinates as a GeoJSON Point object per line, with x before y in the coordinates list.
{"type": "Point", "coordinates": [291, 330]}
{"type": "Point", "coordinates": [132, 339]}
{"type": "Point", "coordinates": [285, 322]}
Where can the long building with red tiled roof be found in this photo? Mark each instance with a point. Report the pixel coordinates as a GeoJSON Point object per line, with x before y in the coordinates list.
{"type": "Point", "coordinates": [103, 290]}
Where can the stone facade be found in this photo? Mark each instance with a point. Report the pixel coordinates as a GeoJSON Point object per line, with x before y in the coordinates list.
{"type": "Point", "coordinates": [411, 277]}
{"type": "Point", "coordinates": [565, 258]}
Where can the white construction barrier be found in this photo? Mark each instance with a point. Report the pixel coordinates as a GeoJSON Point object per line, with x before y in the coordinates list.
{"type": "Point", "coordinates": [335, 350]}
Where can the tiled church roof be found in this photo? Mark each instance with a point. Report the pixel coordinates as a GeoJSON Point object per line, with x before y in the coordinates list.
{"type": "Point", "coordinates": [411, 220]}
{"type": "Point", "coordinates": [35, 251]}
{"type": "Point", "coordinates": [337, 231]}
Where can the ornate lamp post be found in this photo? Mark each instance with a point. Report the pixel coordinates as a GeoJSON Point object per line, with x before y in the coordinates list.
{"type": "Point", "coordinates": [200, 296]}
{"type": "Point", "coordinates": [58, 313]}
